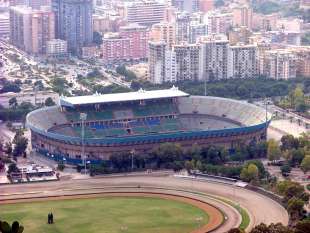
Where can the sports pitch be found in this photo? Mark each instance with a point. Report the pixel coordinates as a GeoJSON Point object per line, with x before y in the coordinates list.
{"type": "Point", "coordinates": [107, 215]}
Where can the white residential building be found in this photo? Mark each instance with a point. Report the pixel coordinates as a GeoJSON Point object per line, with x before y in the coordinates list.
{"type": "Point", "coordinates": [243, 61]}
{"type": "Point", "coordinates": [57, 47]}
{"type": "Point", "coordinates": [214, 57]}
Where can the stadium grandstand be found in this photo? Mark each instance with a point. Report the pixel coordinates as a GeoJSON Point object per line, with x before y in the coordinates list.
{"type": "Point", "coordinates": [140, 121]}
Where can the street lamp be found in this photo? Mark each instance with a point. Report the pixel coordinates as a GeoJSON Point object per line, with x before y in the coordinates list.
{"type": "Point", "coordinates": [132, 152]}
{"type": "Point", "coordinates": [83, 117]}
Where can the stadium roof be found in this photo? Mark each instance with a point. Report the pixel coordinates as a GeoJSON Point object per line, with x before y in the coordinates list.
{"type": "Point", "coordinates": [122, 97]}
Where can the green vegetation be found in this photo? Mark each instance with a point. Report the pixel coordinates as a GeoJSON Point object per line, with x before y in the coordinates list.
{"type": "Point", "coordinates": [294, 198]}
{"type": "Point", "coordinates": [234, 88]}
{"type": "Point", "coordinates": [110, 89]}
{"type": "Point", "coordinates": [129, 75]}
{"type": "Point", "coordinates": [294, 150]}
{"type": "Point", "coordinates": [97, 38]}
{"type": "Point", "coordinates": [295, 100]}
{"type": "Point", "coordinates": [110, 214]}
{"type": "Point", "coordinates": [301, 227]}
{"type": "Point", "coordinates": [16, 112]}
{"type": "Point", "coordinates": [15, 228]}
{"type": "Point", "coordinates": [10, 86]}
{"type": "Point", "coordinates": [91, 78]}
{"type": "Point", "coordinates": [20, 143]}
{"type": "Point", "coordinates": [60, 85]}
{"type": "Point", "coordinates": [219, 3]}
{"type": "Point", "coordinates": [305, 39]}
{"type": "Point", "coordinates": [266, 7]}
{"type": "Point", "coordinates": [211, 160]}
{"type": "Point", "coordinates": [286, 9]}
{"type": "Point", "coordinates": [245, 218]}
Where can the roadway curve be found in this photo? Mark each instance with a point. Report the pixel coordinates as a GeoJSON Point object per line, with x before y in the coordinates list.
{"type": "Point", "coordinates": [259, 207]}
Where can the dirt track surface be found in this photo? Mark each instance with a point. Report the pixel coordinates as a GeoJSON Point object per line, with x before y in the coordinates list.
{"type": "Point", "coordinates": [259, 207]}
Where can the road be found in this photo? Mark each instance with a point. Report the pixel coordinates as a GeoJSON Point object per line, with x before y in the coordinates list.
{"type": "Point", "coordinates": [259, 207]}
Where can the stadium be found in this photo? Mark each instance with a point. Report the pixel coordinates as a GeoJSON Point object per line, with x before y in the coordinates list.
{"type": "Point", "coordinates": [98, 126]}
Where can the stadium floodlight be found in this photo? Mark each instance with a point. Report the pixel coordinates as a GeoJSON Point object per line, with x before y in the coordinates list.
{"type": "Point", "coordinates": [83, 117]}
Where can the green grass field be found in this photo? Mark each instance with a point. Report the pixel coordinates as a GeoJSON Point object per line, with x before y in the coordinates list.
{"type": "Point", "coordinates": [106, 215]}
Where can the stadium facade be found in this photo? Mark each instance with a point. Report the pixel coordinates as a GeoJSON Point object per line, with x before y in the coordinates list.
{"type": "Point", "coordinates": [140, 121]}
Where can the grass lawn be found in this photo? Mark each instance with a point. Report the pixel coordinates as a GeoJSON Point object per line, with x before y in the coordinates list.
{"type": "Point", "coordinates": [106, 215]}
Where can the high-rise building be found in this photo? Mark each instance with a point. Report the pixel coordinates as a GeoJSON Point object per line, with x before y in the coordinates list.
{"type": "Point", "coordinates": [130, 43]}
{"type": "Point", "coordinates": [114, 47]}
{"type": "Point", "coordinates": [20, 31]}
{"type": "Point", "coordinates": [243, 16]}
{"type": "Point", "coordinates": [183, 22]}
{"type": "Point", "coordinates": [243, 59]}
{"type": "Point", "coordinates": [163, 32]}
{"type": "Point", "coordinates": [197, 30]}
{"type": "Point", "coordinates": [138, 36]}
{"type": "Point", "coordinates": [189, 6]}
{"type": "Point", "coordinates": [4, 24]}
{"type": "Point", "coordinates": [56, 47]}
{"type": "Point", "coordinates": [34, 4]}
{"type": "Point", "coordinates": [303, 61]}
{"type": "Point", "coordinates": [170, 67]}
{"type": "Point", "coordinates": [157, 61]}
{"type": "Point", "coordinates": [43, 29]}
{"type": "Point", "coordinates": [279, 64]}
{"type": "Point", "coordinates": [31, 29]}
{"type": "Point", "coordinates": [187, 61]}
{"type": "Point", "coordinates": [146, 12]}
{"type": "Point", "coordinates": [206, 5]}
{"type": "Point", "coordinates": [74, 23]}
{"type": "Point", "coordinates": [219, 23]}
{"type": "Point", "coordinates": [18, 2]}
{"type": "Point", "coordinates": [215, 57]}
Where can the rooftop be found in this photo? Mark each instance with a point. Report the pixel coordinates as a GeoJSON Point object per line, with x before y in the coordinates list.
{"type": "Point", "coordinates": [122, 97]}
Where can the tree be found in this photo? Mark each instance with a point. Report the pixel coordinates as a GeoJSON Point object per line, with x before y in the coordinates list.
{"type": "Point", "coordinates": [12, 168]}
{"type": "Point", "coordinates": [189, 165]}
{"type": "Point", "coordinates": [97, 38]}
{"type": "Point", "coordinates": [20, 143]}
{"type": "Point", "coordinates": [289, 142]}
{"type": "Point", "coordinates": [15, 228]}
{"type": "Point", "coordinates": [235, 230]}
{"type": "Point", "coordinates": [49, 102]}
{"type": "Point", "coordinates": [219, 3]}
{"type": "Point", "coordinates": [285, 169]}
{"type": "Point", "coordinates": [305, 164]}
{"type": "Point", "coordinates": [272, 228]}
{"type": "Point", "coordinates": [8, 148]}
{"type": "Point", "coordinates": [249, 173]}
{"type": "Point", "coordinates": [273, 150]}
{"type": "Point", "coordinates": [13, 102]}
{"type": "Point", "coordinates": [295, 208]}
{"type": "Point", "coordinates": [302, 226]}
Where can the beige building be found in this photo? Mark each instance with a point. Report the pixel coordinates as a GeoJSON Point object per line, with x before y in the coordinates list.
{"type": "Point", "coordinates": [218, 23]}
{"type": "Point", "coordinates": [279, 64]}
{"type": "Point", "coordinates": [163, 32]}
{"type": "Point", "coordinates": [243, 16]}
{"type": "Point", "coordinates": [303, 61]}
{"type": "Point", "coordinates": [30, 30]}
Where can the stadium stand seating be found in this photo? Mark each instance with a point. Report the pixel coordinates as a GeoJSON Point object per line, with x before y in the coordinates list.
{"type": "Point", "coordinates": [220, 107]}
{"type": "Point", "coordinates": [48, 118]}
